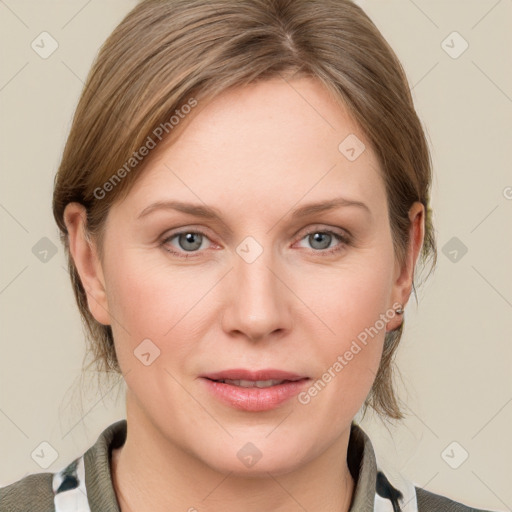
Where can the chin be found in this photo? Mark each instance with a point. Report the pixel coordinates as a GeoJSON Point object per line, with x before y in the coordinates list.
{"type": "Point", "coordinates": [256, 458]}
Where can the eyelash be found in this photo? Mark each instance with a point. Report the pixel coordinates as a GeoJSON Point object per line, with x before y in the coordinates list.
{"type": "Point", "coordinates": [345, 241]}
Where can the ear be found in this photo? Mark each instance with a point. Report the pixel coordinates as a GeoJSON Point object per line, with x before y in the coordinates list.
{"type": "Point", "coordinates": [87, 262]}
{"type": "Point", "coordinates": [404, 274]}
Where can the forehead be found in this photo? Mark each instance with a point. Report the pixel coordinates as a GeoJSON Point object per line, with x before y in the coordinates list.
{"type": "Point", "coordinates": [274, 140]}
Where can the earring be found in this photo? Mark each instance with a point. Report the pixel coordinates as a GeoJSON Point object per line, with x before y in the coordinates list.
{"type": "Point", "coordinates": [399, 311]}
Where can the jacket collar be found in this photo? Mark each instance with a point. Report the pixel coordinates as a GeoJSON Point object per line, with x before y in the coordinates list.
{"type": "Point", "coordinates": [102, 498]}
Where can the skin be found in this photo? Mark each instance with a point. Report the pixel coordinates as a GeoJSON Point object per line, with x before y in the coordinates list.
{"type": "Point", "coordinates": [295, 307]}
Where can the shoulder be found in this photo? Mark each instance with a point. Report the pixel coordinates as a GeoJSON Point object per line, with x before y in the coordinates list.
{"type": "Point", "coordinates": [430, 502]}
{"type": "Point", "coordinates": [33, 492]}
{"type": "Point", "coordinates": [61, 491]}
{"type": "Point", "coordinates": [65, 489]}
{"type": "Point", "coordinates": [386, 487]}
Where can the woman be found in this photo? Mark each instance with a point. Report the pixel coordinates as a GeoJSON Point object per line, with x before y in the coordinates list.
{"type": "Point", "coordinates": [243, 198]}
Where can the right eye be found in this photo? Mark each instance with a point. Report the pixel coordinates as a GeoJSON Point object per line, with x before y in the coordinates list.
{"type": "Point", "coordinates": [189, 241]}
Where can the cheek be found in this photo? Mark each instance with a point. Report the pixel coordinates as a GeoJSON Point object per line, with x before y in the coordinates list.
{"type": "Point", "coordinates": [349, 299]}
{"type": "Point", "coordinates": [148, 300]}
{"type": "Point", "coordinates": [353, 305]}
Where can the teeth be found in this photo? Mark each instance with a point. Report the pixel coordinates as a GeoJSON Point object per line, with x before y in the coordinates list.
{"type": "Point", "coordinates": [252, 383]}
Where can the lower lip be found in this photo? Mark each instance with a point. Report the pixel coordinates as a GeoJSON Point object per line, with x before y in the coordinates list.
{"type": "Point", "coordinates": [255, 399]}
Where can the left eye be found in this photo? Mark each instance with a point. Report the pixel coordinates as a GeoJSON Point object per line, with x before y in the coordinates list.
{"type": "Point", "coordinates": [323, 238]}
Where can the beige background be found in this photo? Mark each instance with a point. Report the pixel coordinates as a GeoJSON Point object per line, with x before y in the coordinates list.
{"type": "Point", "coordinates": [456, 354]}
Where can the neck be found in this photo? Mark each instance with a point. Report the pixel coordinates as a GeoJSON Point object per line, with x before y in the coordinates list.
{"type": "Point", "coordinates": [148, 464]}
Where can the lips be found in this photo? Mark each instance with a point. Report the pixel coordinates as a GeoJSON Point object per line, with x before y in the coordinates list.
{"type": "Point", "coordinates": [254, 391]}
{"type": "Point", "coordinates": [249, 375]}
{"type": "Point", "coordinates": [252, 384]}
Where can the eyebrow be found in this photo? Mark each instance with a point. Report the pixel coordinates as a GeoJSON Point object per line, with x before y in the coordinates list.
{"type": "Point", "coordinates": [208, 212]}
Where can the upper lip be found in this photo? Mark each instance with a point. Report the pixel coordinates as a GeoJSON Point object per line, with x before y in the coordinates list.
{"type": "Point", "coordinates": [242, 374]}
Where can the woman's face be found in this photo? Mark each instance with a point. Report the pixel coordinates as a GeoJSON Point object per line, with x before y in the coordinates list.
{"type": "Point", "coordinates": [258, 284]}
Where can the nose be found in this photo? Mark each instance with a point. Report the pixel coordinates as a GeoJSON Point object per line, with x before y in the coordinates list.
{"type": "Point", "coordinates": [257, 304]}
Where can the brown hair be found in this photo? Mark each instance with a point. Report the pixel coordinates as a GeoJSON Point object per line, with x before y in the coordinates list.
{"type": "Point", "coordinates": [164, 54]}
